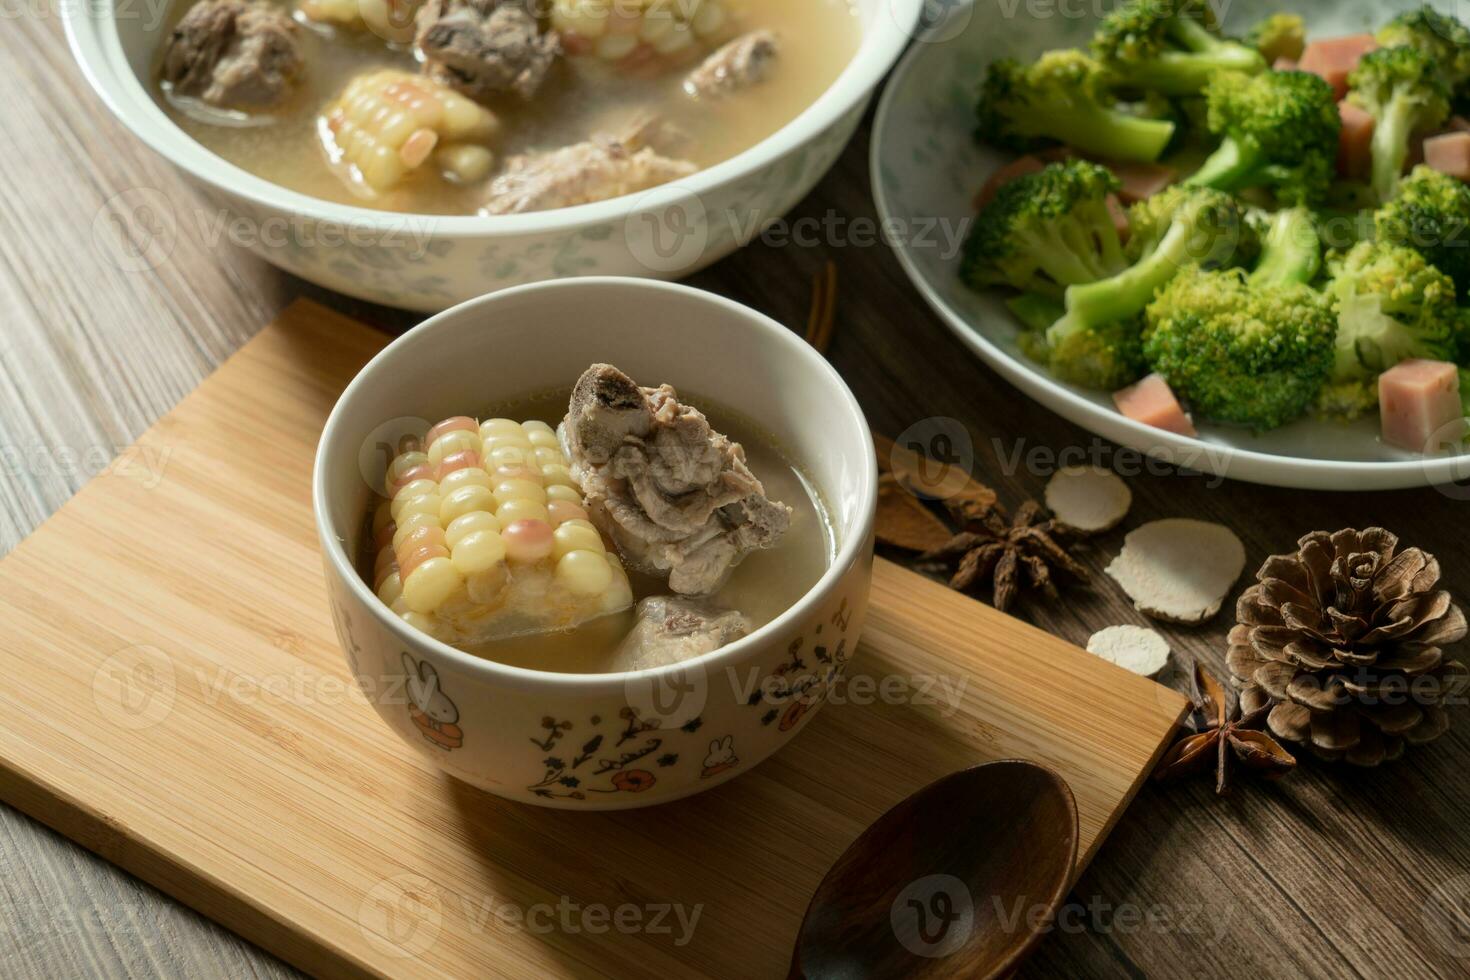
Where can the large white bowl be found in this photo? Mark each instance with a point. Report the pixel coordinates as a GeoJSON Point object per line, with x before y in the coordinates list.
{"type": "Point", "coordinates": [607, 741]}
{"type": "Point", "coordinates": [429, 263]}
{"type": "Point", "coordinates": [927, 167]}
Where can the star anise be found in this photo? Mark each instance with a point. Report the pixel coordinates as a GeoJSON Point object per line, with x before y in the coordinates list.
{"type": "Point", "coordinates": [1228, 737]}
{"type": "Point", "coordinates": [1022, 553]}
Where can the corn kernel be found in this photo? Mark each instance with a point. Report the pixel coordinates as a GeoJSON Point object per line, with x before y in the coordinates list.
{"type": "Point", "coordinates": [411, 491]}
{"type": "Point", "coordinates": [557, 474]}
{"type": "Point", "coordinates": [561, 491]}
{"type": "Point", "coordinates": [460, 479]}
{"type": "Point", "coordinates": [469, 524]}
{"type": "Point", "coordinates": [527, 540]}
{"type": "Point", "coordinates": [584, 572]}
{"type": "Point", "coordinates": [561, 511]}
{"type": "Point", "coordinates": [424, 503]}
{"type": "Point", "coordinates": [519, 489]}
{"type": "Point", "coordinates": [429, 585]}
{"type": "Point", "coordinates": [520, 509]}
{"type": "Point", "coordinates": [466, 163]}
{"type": "Point", "coordinates": [411, 524]}
{"type": "Point", "coordinates": [465, 500]}
{"type": "Point", "coordinates": [390, 589]}
{"type": "Point", "coordinates": [508, 456]}
{"type": "Point", "coordinates": [478, 552]}
{"type": "Point", "coordinates": [451, 443]}
{"type": "Point", "coordinates": [575, 536]}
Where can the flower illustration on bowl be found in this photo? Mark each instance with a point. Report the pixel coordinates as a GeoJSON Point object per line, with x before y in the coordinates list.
{"type": "Point", "coordinates": [794, 713]}
{"type": "Point", "coordinates": [432, 712]}
{"type": "Point", "coordinates": [633, 780]}
{"type": "Point", "coordinates": [721, 757]}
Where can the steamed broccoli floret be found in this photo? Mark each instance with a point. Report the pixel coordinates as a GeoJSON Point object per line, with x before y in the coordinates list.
{"type": "Point", "coordinates": [1250, 350]}
{"type": "Point", "coordinates": [1438, 35]}
{"type": "Point", "coordinates": [1347, 401]}
{"type": "Point", "coordinates": [1392, 305]}
{"type": "Point", "coordinates": [1431, 215]}
{"type": "Point", "coordinates": [1062, 98]}
{"type": "Point", "coordinates": [1280, 132]}
{"type": "Point", "coordinates": [1105, 357]}
{"type": "Point", "coordinates": [1097, 342]}
{"type": "Point", "coordinates": [1036, 311]}
{"type": "Point", "coordinates": [1046, 231]}
{"type": "Point", "coordinates": [1279, 36]}
{"type": "Point", "coordinates": [1404, 91]}
{"type": "Point", "coordinates": [1169, 46]}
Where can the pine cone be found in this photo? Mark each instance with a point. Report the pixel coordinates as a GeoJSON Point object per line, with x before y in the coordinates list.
{"type": "Point", "coordinates": [1345, 639]}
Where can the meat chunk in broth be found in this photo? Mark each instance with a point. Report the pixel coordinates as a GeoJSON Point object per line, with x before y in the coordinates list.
{"type": "Point", "coordinates": [238, 54]}
{"type": "Point", "coordinates": [744, 62]}
{"type": "Point", "coordinates": [675, 495]}
{"type": "Point", "coordinates": [673, 629]}
{"type": "Point", "coordinates": [598, 169]}
{"type": "Point", "coordinates": [485, 48]}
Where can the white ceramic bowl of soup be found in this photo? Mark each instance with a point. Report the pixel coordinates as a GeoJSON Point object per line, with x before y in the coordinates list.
{"type": "Point", "coordinates": [609, 740]}
{"type": "Point", "coordinates": [429, 263]}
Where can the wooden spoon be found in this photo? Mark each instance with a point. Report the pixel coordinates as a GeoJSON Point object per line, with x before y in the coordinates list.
{"type": "Point", "coordinates": [959, 880]}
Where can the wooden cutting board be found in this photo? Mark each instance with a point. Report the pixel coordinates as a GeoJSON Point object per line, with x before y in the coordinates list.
{"type": "Point", "coordinates": [175, 700]}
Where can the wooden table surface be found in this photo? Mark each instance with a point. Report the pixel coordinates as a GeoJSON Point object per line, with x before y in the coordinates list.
{"type": "Point", "coordinates": [1335, 872]}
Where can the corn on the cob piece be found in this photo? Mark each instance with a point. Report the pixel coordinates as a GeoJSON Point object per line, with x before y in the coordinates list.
{"type": "Point", "coordinates": [484, 536]}
{"type": "Point", "coordinates": [642, 37]}
{"type": "Point", "coordinates": [391, 20]}
{"type": "Point", "coordinates": [388, 123]}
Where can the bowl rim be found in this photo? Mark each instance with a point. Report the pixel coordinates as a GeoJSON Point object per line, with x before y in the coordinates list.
{"type": "Point", "coordinates": [95, 42]}
{"type": "Point", "coordinates": [855, 544]}
{"type": "Point", "coordinates": [1218, 459]}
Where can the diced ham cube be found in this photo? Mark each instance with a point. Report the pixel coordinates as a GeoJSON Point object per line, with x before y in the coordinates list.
{"type": "Point", "coordinates": [1449, 153]}
{"type": "Point", "coordinates": [1285, 64]}
{"type": "Point", "coordinates": [1334, 58]}
{"type": "Point", "coordinates": [1020, 167]}
{"type": "Point", "coordinates": [1140, 180]}
{"type": "Point", "coordinates": [1152, 402]}
{"type": "Point", "coordinates": [1354, 151]}
{"type": "Point", "coordinates": [1421, 406]}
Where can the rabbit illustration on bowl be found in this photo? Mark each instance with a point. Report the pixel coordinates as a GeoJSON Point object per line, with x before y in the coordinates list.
{"type": "Point", "coordinates": [433, 713]}
{"type": "Point", "coordinates": [721, 757]}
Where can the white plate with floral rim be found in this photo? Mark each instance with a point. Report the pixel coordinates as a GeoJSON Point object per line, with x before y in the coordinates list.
{"type": "Point", "coordinates": [927, 168]}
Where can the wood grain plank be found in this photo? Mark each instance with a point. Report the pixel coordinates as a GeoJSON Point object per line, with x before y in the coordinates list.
{"type": "Point", "coordinates": [90, 355]}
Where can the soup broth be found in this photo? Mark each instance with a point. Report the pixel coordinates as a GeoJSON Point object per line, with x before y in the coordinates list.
{"type": "Point", "coordinates": [763, 586]}
{"type": "Point", "coordinates": [579, 99]}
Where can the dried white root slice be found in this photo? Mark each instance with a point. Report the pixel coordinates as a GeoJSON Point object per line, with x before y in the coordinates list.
{"type": "Point", "coordinates": [1179, 570]}
{"type": "Point", "coordinates": [1134, 648]}
{"type": "Point", "coordinates": [1088, 499]}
